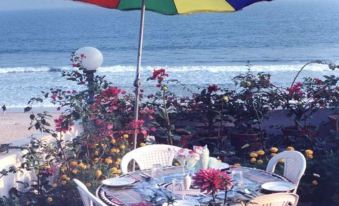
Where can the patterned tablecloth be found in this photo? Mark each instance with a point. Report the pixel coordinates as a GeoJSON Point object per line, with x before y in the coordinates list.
{"type": "Point", "coordinates": [147, 190]}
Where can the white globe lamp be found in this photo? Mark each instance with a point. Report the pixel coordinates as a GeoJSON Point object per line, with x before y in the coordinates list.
{"type": "Point", "coordinates": [90, 58]}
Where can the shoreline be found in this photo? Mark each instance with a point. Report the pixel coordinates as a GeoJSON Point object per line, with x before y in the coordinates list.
{"type": "Point", "coordinates": [14, 125]}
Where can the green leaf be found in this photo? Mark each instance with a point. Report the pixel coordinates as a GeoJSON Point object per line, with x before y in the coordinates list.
{"type": "Point", "coordinates": [27, 109]}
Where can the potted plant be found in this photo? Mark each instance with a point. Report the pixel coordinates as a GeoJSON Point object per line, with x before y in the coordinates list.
{"type": "Point", "coordinates": [255, 97]}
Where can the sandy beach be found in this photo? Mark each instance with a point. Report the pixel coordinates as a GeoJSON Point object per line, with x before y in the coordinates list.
{"type": "Point", "coordinates": [14, 125]}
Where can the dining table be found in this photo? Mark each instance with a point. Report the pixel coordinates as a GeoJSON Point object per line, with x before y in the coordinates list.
{"type": "Point", "coordinates": [167, 185]}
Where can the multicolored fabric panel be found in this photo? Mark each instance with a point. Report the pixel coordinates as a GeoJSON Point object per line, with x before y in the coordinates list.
{"type": "Point", "coordinates": [173, 7]}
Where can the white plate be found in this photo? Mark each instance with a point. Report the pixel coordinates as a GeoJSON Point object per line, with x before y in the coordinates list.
{"type": "Point", "coordinates": [278, 186]}
{"type": "Point", "coordinates": [184, 203]}
{"type": "Point", "coordinates": [224, 166]}
{"type": "Point", "coordinates": [118, 181]}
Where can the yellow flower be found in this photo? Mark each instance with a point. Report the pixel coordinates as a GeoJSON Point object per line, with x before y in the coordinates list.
{"type": "Point", "coordinates": [308, 152]}
{"type": "Point", "coordinates": [75, 171]}
{"type": "Point", "coordinates": [290, 148]}
{"type": "Point", "coordinates": [309, 156]}
{"type": "Point", "coordinates": [49, 199]}
{"type": "Point", "coordinates": [63, 177]}
{"type": "Point", "coordinates": [96, 160]}
{"type": "Point", "coordinates": [315, 182]}
{"type": "Point", "coordinates": [114, 170]}
{"type": "Point", "coordinates": [142, 144]}
{"type": "Point", "coordinates": [82, 166]}
{"type": "Point", "coordinates": [260, 152]}
{"type": "Point", "coordinates": [73, 163]}
{"type": "Point", "coordinates": [63, 169]}
{"type": "Point", "coordinates": [98, 173]}
{"type": "Point", "coordinates": [253, 155]}
{"type": "Point", "coordinates": [226, 99]}
{"type": "Point", "coordinates": [122, 147]}
{"type": "Point", "coordinates": [125, 136]}
{"type": "Point", "coordinates": [108, 160]}
{"type": "Point", "coordinates": [253, 160]}
{"type": "Point", "coordinates": [260, 162]}
{"type": "Point", "coordinates": [274, 150]}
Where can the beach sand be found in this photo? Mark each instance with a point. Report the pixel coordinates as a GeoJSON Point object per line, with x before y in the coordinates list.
{"type": "Point", "coordinates": [14, 125]}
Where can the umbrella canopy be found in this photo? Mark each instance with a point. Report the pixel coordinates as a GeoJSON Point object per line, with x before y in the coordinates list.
{"type": "Point", "coordinates": [173, 7]}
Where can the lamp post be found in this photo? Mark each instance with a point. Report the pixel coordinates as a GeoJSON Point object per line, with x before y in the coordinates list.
{"type": "Point", "coordinates": [90, 59]}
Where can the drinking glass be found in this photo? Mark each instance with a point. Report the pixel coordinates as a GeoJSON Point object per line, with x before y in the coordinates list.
{"type": "Point", "coordinates": [156, 172]}
{"type": "Point", "coordinates": [237, 176]}
{"type": "Point", "coordinates": [178, 187]}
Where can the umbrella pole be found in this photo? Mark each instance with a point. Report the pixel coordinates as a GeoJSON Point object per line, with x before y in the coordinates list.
{"type": "Point", "coordinates": [137, 74]}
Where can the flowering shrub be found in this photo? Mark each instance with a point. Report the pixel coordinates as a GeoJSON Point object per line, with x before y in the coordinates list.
{"type": "Point", "coordinates": [210, 107]}
{"type": "Point", "coordinates": [93, 155]}
{"type": "Point", "coordinates": [254, 99]}
{"type": "Point", "coordinates": [163, 105]}
{"type": "Point", "coordinates": [303, 99]}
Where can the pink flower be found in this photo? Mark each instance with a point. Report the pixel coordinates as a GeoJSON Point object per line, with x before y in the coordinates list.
{"type": "Point", "coordinates": [212, 180]}
{"type": "Point", "coordinates": [137, 124]}
{"type": "Point", "coordinates": [295, 91]}
{"type": "Point", "coordinates": [109, 126]}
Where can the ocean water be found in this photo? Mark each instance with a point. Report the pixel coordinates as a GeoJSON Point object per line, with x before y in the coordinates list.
{"type": "Point", "coordinates": [200, 49]}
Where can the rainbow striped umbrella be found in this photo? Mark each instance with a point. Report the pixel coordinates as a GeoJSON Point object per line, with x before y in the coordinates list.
{"type": "Point", "coordinates": [167, 7]}
{"type": "Point", "coordinates": [173, 7]}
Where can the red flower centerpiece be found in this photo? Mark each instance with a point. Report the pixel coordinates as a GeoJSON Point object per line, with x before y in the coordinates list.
{"type": "Point", "coordinates": [212, 180]}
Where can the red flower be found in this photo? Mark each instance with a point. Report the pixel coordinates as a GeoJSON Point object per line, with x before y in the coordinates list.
{"type": "Point", "coordinates": [158, 74]}
{"type": "Point", "coordinates": [295, 91]}
{"type": "Point", "coordinates": [318, 81]}
{"type": "Point", "coordinates": [213, 88]}
{"type": "Point", "coordinates": [111, 91]}
{"type": "Point", "coordinates": [212, 180]}
{"type": "Point", "coordinates": [62, 124]}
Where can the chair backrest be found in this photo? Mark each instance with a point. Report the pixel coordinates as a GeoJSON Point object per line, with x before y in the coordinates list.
{"type": "Point", "coordinates": [294, 165]}
{"type": "Point", "coordinates": [149, 155]}
{"type": "Point", "coordinates": [276, 199]}
{"type": "Point", "coordinates": [86, 196]}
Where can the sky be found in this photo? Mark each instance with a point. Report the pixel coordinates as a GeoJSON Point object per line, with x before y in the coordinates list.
{"type": "Point", "coordinates": [47, 4]}
{"type": "Point", "coordinates": [37, 4]}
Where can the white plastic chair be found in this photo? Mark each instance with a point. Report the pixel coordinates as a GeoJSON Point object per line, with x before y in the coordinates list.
{"type": "Point", "coordinates": [149, 155]}
{"type": "Point", "coordinates": [294, 165]}
{"type": "Point", "coordinates": [276, 199]}
{"type": "Point", "coordinates": [86, 196]}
